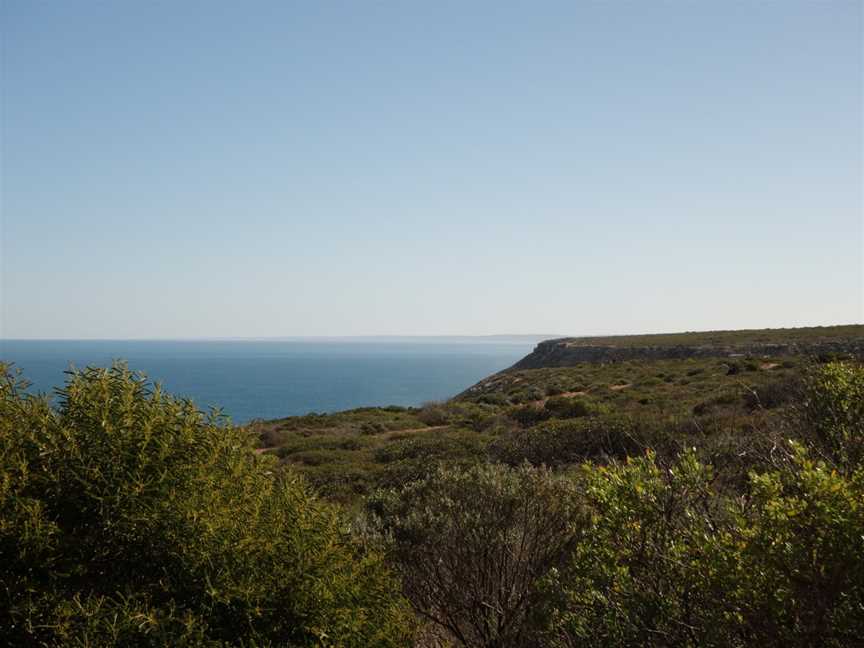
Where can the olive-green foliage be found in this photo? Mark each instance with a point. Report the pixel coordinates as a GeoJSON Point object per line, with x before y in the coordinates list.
{"type": "Point", "coordinates": [640, 576]}
{"type": "Point", "coordinates": [128, 518]}
{"type": "Point", "coordinates": [800, 576]}
{"type": "Point", "coordinates": [644, 387]}
{"type": "Point", "coordinates": [669, 561]}
{"type": "Point", "coordinates": [473, 546]}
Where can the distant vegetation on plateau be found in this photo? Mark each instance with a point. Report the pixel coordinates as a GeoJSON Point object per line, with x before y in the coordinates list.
{"type": "Point", "coordinates": [661, 498]}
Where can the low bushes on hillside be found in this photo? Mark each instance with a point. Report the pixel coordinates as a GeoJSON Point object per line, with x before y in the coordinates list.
{"type": "Point", "coordinates": [639, 551]}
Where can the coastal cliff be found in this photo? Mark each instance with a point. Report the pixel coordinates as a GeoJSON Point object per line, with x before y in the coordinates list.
{"type": "Point", "coordinates": [818, 341]}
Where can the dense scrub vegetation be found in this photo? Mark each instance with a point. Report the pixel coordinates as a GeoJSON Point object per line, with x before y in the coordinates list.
{"type": "Point", "coordinates": [698, 502]}
{"type": "Point", "coordinates": [646, 548]}
{"type": "Point", "coordinates": [551, 416]}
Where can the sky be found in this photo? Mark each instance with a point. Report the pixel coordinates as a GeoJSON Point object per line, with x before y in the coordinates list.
{"type": "Point", "coordinates": [253, 169]}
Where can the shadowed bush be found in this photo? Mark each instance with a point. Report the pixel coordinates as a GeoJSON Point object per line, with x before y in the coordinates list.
{"type": "Point", "coordinates": [473, 547]}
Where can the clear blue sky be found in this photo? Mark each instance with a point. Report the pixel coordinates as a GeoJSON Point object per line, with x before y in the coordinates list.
{"type": "Point", "coordinates": [185, 169]}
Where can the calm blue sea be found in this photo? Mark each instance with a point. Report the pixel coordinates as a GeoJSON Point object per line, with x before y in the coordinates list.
{"type": "Point", "coordinates": [271, 379]}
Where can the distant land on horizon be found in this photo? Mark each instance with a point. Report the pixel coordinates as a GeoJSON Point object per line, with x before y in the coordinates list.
{"type": "Point", "coordinates": [641, 337]}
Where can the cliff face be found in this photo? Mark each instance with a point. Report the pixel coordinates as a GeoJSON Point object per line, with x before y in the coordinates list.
{"type": "Point", "coordinates": [569, 352]}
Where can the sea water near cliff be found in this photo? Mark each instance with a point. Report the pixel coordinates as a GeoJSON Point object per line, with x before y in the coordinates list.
{"type": "Point", "coordinates": [268, 379]}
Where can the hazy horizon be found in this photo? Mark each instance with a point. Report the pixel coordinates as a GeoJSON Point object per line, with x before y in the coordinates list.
{"type": "Point", "coordinates": [494, 337]}
{"type": "Point", "coordinates": [275, 170]}
{"type": "Point", "coordinates": [281, 338]}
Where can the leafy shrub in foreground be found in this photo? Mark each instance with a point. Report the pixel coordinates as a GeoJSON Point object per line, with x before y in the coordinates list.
{"type": "Point", "coordinates": [128, 518]}
{"type": "Point", "coordinates": [666, 560]}
{"type": "Point", "coordinates": [642, 574]}
{"type": "Point", "coordinates": [800, 574]}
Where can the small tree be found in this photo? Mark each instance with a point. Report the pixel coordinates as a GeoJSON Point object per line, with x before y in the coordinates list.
{"type": "Point", "coordinates": [475, 546]}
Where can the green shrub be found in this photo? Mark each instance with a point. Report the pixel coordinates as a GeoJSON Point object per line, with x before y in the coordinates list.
{"type": "Point", "coordinates": [667, 560]}
{"type": "Point", "coordinates": [129, 518]}
{"type": "Point", "coordinates": [641, 574]}
{"type": "Point", "coordinates": [799, 578]}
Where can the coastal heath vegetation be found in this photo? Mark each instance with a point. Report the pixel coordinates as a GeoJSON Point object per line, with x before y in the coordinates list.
{"type": "Point", "coordinates": [646, 549]}
{"type": "Point", "coordinates": [732, 515]}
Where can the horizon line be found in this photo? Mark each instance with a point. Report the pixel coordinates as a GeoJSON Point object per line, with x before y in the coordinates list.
{"type": "Point", "coordinates": [282, 337]}
{"type": "Point", "coordinates": [486, 336]}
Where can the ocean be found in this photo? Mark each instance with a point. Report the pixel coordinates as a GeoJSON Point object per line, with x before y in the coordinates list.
{"type": "Point", "coordinates": [269, 379]}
